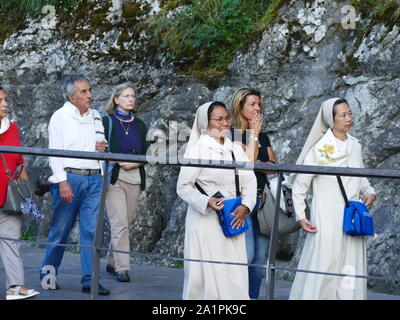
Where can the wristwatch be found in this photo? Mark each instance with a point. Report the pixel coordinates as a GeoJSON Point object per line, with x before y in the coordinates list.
{"type": "Point", "coordinates": [246, 207]}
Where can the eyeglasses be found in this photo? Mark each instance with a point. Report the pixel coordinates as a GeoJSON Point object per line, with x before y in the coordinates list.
{"type": "Point", "coordinates": [219, 120]}
{"type": "Point", "coordinates": [342, 116]}
{"type": "Point", "coordinates": [128, 96]}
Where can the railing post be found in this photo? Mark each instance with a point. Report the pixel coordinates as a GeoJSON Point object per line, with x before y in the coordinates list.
{"type": "Point", "coordinates": [270, 277]}
{"type": "Point", "coordinates": [98, 237]}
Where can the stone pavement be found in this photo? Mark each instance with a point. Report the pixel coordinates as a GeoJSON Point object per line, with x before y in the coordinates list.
{"type": "Point", "coordinates": [147, 282]}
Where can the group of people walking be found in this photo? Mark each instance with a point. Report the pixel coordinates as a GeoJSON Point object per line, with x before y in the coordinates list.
{"type": "Point", "coordinates": [75, 184]}
{"type": "Point", "coordinates": [218, 133]}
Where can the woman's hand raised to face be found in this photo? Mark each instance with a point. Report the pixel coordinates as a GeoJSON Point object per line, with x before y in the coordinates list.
{"type": "Point", "coordinates": [256, 124]}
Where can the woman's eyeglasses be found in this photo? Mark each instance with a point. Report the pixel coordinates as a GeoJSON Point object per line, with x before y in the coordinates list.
{"type": "Point", "coordinates": [219, 120]}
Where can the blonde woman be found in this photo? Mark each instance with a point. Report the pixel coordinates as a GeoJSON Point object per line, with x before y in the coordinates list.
{"type": "Point", "coordinates": [128, 135]}
{"type": "Point", "coordinates": [247, 109]}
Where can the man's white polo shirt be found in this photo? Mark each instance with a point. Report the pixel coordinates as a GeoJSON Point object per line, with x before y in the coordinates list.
{"type": "Point", "coordinates": [68, 130]}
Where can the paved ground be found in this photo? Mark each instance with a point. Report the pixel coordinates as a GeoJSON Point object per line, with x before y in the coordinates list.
{"type": "Point", "coordinates": [147, 282]}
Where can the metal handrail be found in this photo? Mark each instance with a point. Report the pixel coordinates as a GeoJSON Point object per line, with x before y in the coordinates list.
{"type": "Point", "coordinates": [257, 166]}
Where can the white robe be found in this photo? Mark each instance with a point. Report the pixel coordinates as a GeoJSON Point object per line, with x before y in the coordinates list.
{"type": "Point", "coordinates": [204, 238]}
{"type": "Point", "coordinates": [330, 249]}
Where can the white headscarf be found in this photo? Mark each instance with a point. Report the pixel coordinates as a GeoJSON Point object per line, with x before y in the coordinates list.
{"type": "Point", "coordinates": [199, 135]}
{"type": "Point", "coordinates": [5, 125]}
{"type": "Point", "coordinates": [322, 138]}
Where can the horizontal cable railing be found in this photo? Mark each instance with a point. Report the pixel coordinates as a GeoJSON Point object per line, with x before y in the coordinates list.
{"type": "Point", "coordinates": [271, 266]}
{"type": "Point", "coordinates": [178, 259]}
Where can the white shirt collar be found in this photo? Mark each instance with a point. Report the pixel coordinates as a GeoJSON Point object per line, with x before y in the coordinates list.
{"type": "Point", "coordinates": [5, 125]}
{"type": "Point", "coordinates": [210, 142]}
{"type": "Point", "coordinates": [74, 112]}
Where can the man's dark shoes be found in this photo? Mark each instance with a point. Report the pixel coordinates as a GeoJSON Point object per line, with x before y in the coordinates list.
{"type": "Point", "coordinates": [110, 269]}
{"type": "Point", "coordinates": [123, 276]}
{"type": "Point", "coordinates": [102, 291]}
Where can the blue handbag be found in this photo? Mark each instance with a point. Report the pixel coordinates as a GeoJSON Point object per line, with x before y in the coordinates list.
{"type": "Point", "coordinates": [224, 215]}
{"type": "Point", "coordinates": [357, 221]}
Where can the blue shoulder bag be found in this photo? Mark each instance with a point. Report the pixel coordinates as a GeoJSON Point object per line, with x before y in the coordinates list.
{"type": "Point", "coordinates": [224, 215]}
{"type": "Point", "coordinates": [357, 221]}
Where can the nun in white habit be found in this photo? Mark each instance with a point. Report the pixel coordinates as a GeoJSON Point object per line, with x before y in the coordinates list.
{"type": "Point", "coordinates": [204, 238]}
{"type": "Point", "coordinates": [327, 248]}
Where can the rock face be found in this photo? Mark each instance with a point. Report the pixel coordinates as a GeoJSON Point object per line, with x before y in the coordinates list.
{"type": "Point", "coordinates": [298, 62]}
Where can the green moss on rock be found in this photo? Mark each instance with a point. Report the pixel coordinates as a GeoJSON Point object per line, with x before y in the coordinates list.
{"type": "Point", "coordinates": [272, 13]}
{"type": "Point", "coordinates": [124, 37]}
{"type": "Point", "coordinates": [87, 19]}
{"type": "Point", "coordinates": [132, 10]}
{"type": "Point", "coordinates": [99, 21]}
{"type": "Point", "coordinates": [386, 12]}
{"type": "Point", "coordinates": [350, 65]}
{"type": "Point", "coordinates": [173, 4]}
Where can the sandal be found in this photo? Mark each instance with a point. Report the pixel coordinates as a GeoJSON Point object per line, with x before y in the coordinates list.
{"type": "Point", "coordinates": [14, 293]}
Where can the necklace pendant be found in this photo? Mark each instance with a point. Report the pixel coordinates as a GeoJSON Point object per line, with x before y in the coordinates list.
{"type": "Point", "coordinates": [126, 132]}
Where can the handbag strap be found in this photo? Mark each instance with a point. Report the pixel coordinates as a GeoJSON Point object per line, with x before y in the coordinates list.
{"type": "Point", "coordinates": [200, 189]}
{"type": "Point", "coordinates": [236, 177]}
{"type": "Point", "coordinates": [109, 133]}
{"type": "Point", "coordinates": [236, 182]}
{"type": "Point", "coordinates": [6, 166]}
{"type": "Point", "coordinates": [8, 172]}
{"type": "Point", "coordinates": [343, 191]}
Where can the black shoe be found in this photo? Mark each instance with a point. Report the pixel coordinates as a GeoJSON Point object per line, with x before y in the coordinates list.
{"type": "Point", "coordinates": [123, 276]}
{"type": "Point", "coordinates": [111, 269]}
{"type": "Point", "coordinates": [102, 291]}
